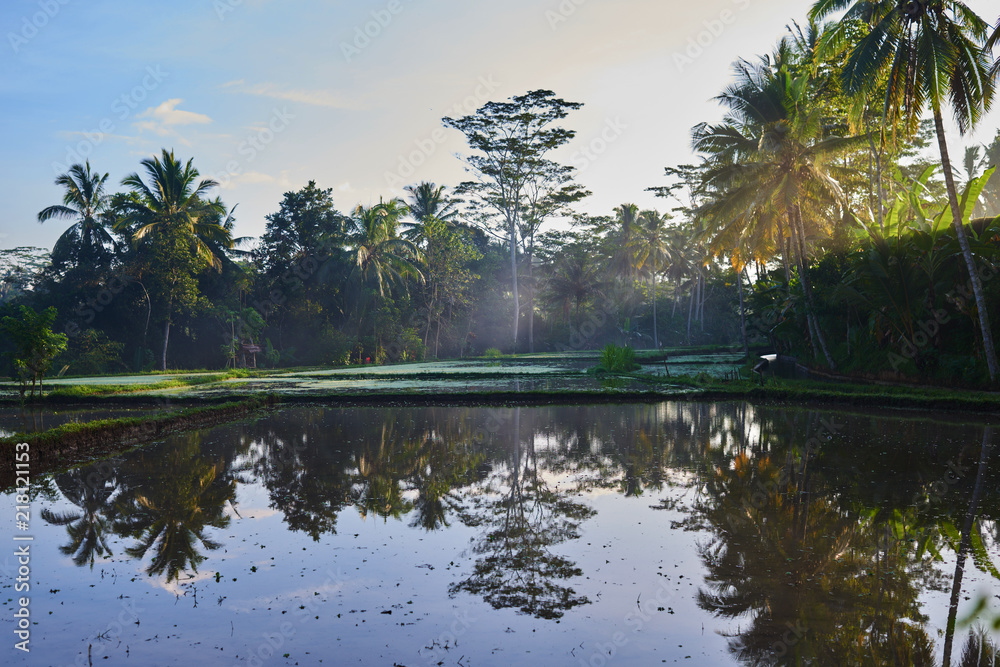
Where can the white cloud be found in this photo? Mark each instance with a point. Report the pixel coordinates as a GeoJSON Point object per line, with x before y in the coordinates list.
{"type": "Point", "coordinates": [164, 118]}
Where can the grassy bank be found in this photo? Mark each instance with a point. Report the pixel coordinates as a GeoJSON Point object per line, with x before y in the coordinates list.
{"type": "Point", "coordinates": [73, 444]}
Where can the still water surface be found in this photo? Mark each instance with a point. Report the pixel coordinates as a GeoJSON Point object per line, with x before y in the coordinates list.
{"type": "Point", "coordinates": [677, 533]}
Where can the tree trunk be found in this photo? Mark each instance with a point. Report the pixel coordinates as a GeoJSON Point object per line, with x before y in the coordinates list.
{"type": "Point", "coordinates": [701, 300]}
{"type": "Point", "coordinates": [166, 333]}
{"type": "Point", "coordinates": [877, 155]}
{"type": "Point", "coordinates": [799, 228]}
{"type": "Point", "coordinates": [743, 316]}
{"type": "Point", "coordinates": [784, 257]}
{"type": "Point", "coordinates": [437, 338]}
{"type": "Point", "coordinates": [656, 336]}
{"type": "Point", "coordinates": [430, 316]}
{"type": "Point", "coordinates": [166, 340]}
{"type": "Point", "coordinates": [513, 272]}
{"type": "Point", "coordinates": [964, 546]}
{"type": "Point", "coordinates": [149, 313]}
{"type": "Point", "coordinates": [963, 242]}
{"type": "Point", "coordinates": [531, 295]}
{"type": "Point", "coordinates": [690, 313]}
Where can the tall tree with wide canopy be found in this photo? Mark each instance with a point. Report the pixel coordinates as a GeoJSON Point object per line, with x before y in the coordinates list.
{"type": "Point", "coordinates": [85, 200]}
{"type": "Point", "coordinates": [180, 226]}
{"type": "Point", "coordinates": [511, 140]}
{"type": "Point", "coordinates": [307, 223]}
{"type": "Point", "coordinates": [925, 53]}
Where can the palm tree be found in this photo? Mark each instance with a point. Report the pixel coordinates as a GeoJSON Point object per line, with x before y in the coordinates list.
{"type": "Point", "coordinates": [925, 53]}
{"type": "Point", "coordinates": [652, 254]}
{"type": "Point", "coordinates": [990, 43]}
{"type": "Point", "coordinates": [86, 200]}
{"type": "Point", "coordinates": [771, 155]}
{"type": "Point", "coordinates": [171, 206]}
{"type": "Point", "coordinates": [623, 238]}
{"type": "Point", "coordinates": [427, 202]}
{"type": "Point", "coordinates": [682, 260]}
{"type": "Point", "coordinates": [574, 280]}
{"type": "Point", "coordinates": [172, 200]}
{"type": "Point", "coordinates": [182, 494]}
{"type": "Point", "coordinates": [88, 527]}
{"type": "Point", "coordinates": [380, 256]}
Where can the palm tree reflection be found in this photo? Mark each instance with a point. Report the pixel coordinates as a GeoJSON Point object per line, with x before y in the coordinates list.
{"type": "Point", "coordinates": [819, 584]}
{"type": "Point", "coordinates": [94, 494]}
{"type": "Point", "coordinates": [182, 493]}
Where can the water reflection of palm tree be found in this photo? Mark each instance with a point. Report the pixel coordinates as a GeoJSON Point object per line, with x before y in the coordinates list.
{"type": "Point", "coordinates": [817, 584]}
{"type": "Point", "coordinates": [980, 651]}
{"type": "Point", "coordinates": [382, 462]}
{"type": "Point", "coordinates": [94, 494]}
{"type": "Point", "coordinates": [182, 494]}
{"type": "Point", "coordinates": [516, 568]}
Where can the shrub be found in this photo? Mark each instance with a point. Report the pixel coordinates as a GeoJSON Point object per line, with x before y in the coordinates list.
{"type": "Point", "coordinates": [616, 359]}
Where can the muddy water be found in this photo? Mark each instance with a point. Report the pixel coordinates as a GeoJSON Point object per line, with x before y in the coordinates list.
{"type": "Point", "coordinates": [699, 534]}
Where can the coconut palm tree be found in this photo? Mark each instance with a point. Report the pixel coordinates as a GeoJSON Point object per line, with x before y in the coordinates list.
{"type": "Point", "coordinates": [925, 54]}
{"type": "Point", "coordinates": [427, 202]}
{"type": "Point", "coordinates": [772, 154]}
{"type": "Point", "coordinates": [85, 200]}
{"type": "Point", "coordinates": [170, 499]}
{"type": "Point", "coordinates": [170, 212]}
{"type": "Point", "coordinates": [623, 237]}
{"type": "Point", "coordinates": [88, 527]}
{"type": "Point", "coordinates": [172, 199]}
{"type": "Point", "coordinates": [652, 254]}
{"type": "Point", "coordinates": [380, 257]}
{"type": "Point", "coordinates": [574, 279]}
{"type": "Point", "coordinates": [992, 42]}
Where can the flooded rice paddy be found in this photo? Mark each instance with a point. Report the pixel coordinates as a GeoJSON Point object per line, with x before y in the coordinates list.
{"type": "Point", "coordinates": [674, 533]}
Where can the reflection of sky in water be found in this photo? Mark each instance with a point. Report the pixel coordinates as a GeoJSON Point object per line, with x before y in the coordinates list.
{"type": "Point", "coordinates": [639, 570]}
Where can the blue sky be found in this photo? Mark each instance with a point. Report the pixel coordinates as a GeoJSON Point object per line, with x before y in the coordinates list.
{"type": "Point", "coordinates": [266, 95]}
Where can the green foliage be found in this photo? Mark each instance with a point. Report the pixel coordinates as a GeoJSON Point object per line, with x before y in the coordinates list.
{"type": "Point", "coordinates": [93, 353]}
{"type": "Point", "coordinates": [35, 345]}
{"type": "Point", "coordinates": [615, 359]}
{"type": "Point", "coordinates": [411, 347]}
{"type": "Point", "coordinates": [333, 347]}
{"type": "Point", "coordinates": [271, 355]}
